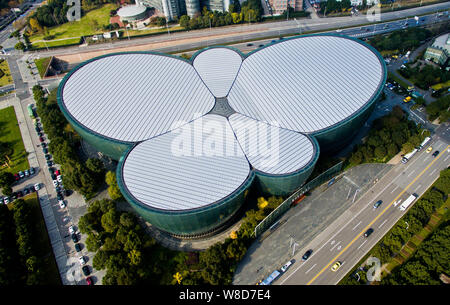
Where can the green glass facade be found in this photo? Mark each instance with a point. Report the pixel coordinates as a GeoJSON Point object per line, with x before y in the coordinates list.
{"type": "Point", "coordinates": [188, 222]}
{"type": "Point", "coordinates": [284, 185]}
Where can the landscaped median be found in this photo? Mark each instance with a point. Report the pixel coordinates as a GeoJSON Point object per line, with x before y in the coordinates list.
{"type": "Point", "coordinates": [399, 250]}
{"type": "Point", "coordinates": [13, 157]}
{"type": "Point", "coordinates": [5, 73]}
{"type": "Point", "coordinates": [28, 257]}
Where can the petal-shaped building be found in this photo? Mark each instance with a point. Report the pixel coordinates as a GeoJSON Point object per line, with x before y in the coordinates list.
{"type": "Point", "coordinates": [191, 137]}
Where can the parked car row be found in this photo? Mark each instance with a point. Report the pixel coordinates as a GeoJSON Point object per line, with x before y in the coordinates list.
{"type": "Point", "coordinates": [60, 193]}
{"type": "Point", "coordinates": [24, 174]}
{"type": "Point", "coordinates": [20, 194]}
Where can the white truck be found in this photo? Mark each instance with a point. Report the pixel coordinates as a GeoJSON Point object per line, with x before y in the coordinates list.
{"type": "Point", "coordinates": [424, 142]}
{"type": "Point", "coordinates": [408, 202]}
{"type": "Point", "coordinates": [409, 156]}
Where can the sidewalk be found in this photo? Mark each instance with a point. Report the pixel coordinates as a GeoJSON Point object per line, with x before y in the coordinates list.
{"type": "Point", "coordinates": [47, 211]}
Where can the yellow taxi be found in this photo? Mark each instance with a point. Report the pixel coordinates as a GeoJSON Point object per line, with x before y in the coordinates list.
{"type": "Point", "coordinates": [336, 266]}
{"type": "Point", "coordinates": [429, 149]}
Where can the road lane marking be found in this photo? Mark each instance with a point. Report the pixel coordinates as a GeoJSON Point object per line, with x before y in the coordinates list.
{"type": "Point", "coordinates": [382, 224]}
{"type": "Point", "coordinates": [362, 244]}
{"type": "Point", "coordinates": [356, 226]}
{"type": "Point", "coordinates": [334, 246]}
{"type": "Point", "coordinates": [342, 227]}
{"type": "Point", "coordinates": [339, 231]}
{"type": "Point", "coordinates": [376, 218]}
{"type": "Point", "coordinates": [412, 172]}
{"type": "Point", "coordinates": [434, 170]}
{"type": "Point", "coordinates": [310, 268]}
{"type": "Point", "coordinates": [394, 189]}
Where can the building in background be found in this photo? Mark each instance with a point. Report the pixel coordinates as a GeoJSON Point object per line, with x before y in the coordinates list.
{"type": "Point", "coordinates": [439, 51]}
{"type": "Point", "coordinates": [175, 8]}
{"type": "Point", "coordinates": [280, 6]}
{"type": "Point", "coordinates": [132, 13]}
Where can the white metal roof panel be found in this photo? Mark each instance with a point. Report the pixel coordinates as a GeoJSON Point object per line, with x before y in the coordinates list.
{"type": "Point", "coordinates": [271, 149]}
{"type": "Point", "coordinates": [308, 83]}
{"type": "Point", "coordinates": [164, 174]}
{"type": "Point", "coordinates": [133, 97]}
{"type": "Point", "coordinates": [218, 68]}
{"type": "Point", "coordinates": [131, 10]}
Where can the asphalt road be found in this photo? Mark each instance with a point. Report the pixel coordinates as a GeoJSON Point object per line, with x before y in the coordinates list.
{"type": "Point", "coordinates": [230, 34]}
{"type": "Point", "coordinates": [348, 245]}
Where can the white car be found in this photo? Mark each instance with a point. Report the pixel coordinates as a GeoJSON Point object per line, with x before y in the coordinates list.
{"type": "Point", "coordinates": [59, 179]}
{"type": "Point", "coordinates": [6, 200]}
{"type": "Point", "coordinates": [37, 186]}
{"type": "Point", "coordinates": [81, 260]}
{"type": "Point", "coordinates": [55, 183]}
{"type": "Point", "coordinates": [286, 266]}
{"type": "Point", "coordinates": [62, 204]}
{"type": "Point", "coordinates": [71, 229]}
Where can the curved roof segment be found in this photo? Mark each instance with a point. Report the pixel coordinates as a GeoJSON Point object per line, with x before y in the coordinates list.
{"type": "Point", "coordinates": [307, 84]}
{"type": "Point", "coordinates": [271, 149]}
{"type": "Point", "coordinates": [133, 97]}
{"type": "Point", "coordinates": [218, 68]}
{"type": "Point", "coordinates": [201, 128]}
{"type": "Point", "coordinates": [188, 168]}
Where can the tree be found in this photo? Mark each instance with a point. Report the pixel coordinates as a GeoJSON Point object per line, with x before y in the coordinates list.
{"type": "Point", "coordinates": [110, 221]}
{"type": "Point", "coordinates": [6, 179]}
{"type": "Point", "coordinates": [184, 21]}
{"type": "Point", "coordinates": [20, 46]}
{"type": "Point", "coordinates": [236, 18]}
{"type": "Point", "coordinates": [113, 189]}
{"type": "Point", "coordinates": [380, 152]}
{"type": "Point", "coordinates": [97, 168]}
{"type": "Point", "coordinates": [34, 24]}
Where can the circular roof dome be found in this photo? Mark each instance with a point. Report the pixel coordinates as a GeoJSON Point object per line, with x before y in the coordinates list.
{"type": "Point", "coordinates": [131, 10]}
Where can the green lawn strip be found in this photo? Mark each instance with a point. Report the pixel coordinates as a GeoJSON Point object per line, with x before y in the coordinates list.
{"type": "Point", "coordinates": [49, 267]}
{"type": "Point", "coordinates": [42, 64]}
{"type": "Point", "coordinates": [84, 27]}
{"type": "Point", "coordinates": [6, 78]}
{"type": "Point", "coordinates": [56, 43]}
{"type": "Point", "coordinates": [49, 263]}
{"type": "Point", "coordinates": [10, 133]}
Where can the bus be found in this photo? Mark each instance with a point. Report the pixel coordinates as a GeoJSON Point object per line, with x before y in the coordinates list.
{"type": "Point", "coordinates": [30, 110]}
{"type": "Point", "coordinates": [271, 278]}
{"type": "Point", "coordinates": [409, 156]}
{"type": "Point", "coordinates": [408, 202]}
{"type": "Point", "coordinates": [424, 142]}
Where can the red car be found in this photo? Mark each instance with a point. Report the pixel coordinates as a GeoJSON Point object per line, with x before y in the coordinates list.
{"type": "Point", "coordinates": [89, 281]}
{"type": "Point", "coordinates": [57, 172]}
{"type": "Point", "coordinates": [17, 177]}
{"type": "Point", "coordinates": [41, 139]}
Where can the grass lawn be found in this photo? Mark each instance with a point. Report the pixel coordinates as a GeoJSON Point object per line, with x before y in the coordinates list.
{"type": "Point", "coordinates": [42, 64]}
{"type": "Point", "coordinates": [56, 43]}
{"type": "Point", "coordinates": [10, 133]}
{"type": "Point", "coordinates": [6, 79]}
{"type": "Point", "coordinates": [49, 267]}
{"type": "Point", "coordinates": [83, 27]}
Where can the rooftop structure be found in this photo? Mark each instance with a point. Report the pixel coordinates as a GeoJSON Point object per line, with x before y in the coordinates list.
{"type": "Point", "coordinates": [192, 136]}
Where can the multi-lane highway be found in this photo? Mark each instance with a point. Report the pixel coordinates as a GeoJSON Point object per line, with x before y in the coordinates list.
{"type": "Point", "coordinates": [225, 35]}
{"type": "Point", "coordinates": [348, 244]}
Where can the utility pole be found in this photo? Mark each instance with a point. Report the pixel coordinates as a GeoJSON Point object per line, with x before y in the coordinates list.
{"type": "Point", "coordinates": [167, 25]}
